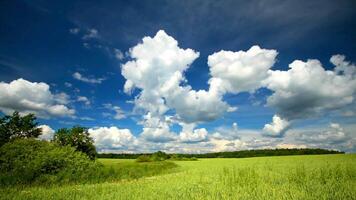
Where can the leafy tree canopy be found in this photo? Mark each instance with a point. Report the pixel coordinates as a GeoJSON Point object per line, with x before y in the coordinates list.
{"type": "Point", "coordinates": [77, 137]}
{"type": "Point", "coordinates": [16, 126]}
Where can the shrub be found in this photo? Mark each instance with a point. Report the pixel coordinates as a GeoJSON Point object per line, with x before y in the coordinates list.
{"type": "Point", "coordinates": [144, 158]}
{"type": "Point", "coordinates": [157, 156]}
{"type": "Point", "coordinates": [24, 161]}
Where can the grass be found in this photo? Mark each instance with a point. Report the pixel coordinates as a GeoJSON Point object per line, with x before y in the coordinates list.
{"type": "Point", "coordinates": [288, 177]}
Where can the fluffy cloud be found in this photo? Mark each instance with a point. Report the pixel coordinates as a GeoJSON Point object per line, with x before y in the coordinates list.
{"type": "Point", "coordinates": [227, 145]}
{"type": "Point", "coordinates": [342, 66]}
{"type": "Point", "coordinates": [80, 77]}
{"type": "Point", "coordinates": [47, 132]}
{"type": "Point", "coordinates": [156, 129]}
{"type": "Point", "coordinates": [277, 128]}
{"type": "Point", "coordinates": [158, 71]}
{"type": "Point", "coordinates": [112, 138]}
{"type": "Point", "coordinates": [235, 72]}
{"type": "Point", "coordinates": [307, 89]}
{"type": "Point", "coordinates": [191, 135]}
{"type": "Point", "coordinates": [32, 97]}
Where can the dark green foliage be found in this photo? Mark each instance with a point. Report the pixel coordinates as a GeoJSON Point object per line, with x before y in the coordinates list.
{"type": "Point", "coordinates": [264, 152]}
{"type": "Point", "coordinates": [157, 156]}
{"type": "Point", "coordinates": [234, 154]}
{"type": "Point", "coordinates": [161, 156]}
{"type": "Point", "coordinates": [24, 161]}
{"type": "Point", "coordinates": [77, 137]}
{"type": "Point", "coordinates": [144, 158]}
{"type": "Point", "coordinates": [15, 126]}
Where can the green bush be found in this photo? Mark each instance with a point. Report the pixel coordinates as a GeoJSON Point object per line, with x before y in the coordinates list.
{"type": "Point", "coordinates": [144, 158]}
{"type": "Point", "coordinates": [26, 161]}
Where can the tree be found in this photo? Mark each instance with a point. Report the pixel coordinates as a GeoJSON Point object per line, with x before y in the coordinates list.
{"type": "Point", "coordinates": [16, 126]}
{"type": "Point", "coordinates": [77, 137]}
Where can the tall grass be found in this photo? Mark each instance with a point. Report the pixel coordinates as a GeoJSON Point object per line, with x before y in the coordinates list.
{"type": "Point", "coordinates": [325, 177]}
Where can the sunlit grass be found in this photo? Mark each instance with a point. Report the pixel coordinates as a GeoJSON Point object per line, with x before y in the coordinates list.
{"type": "Point", "coordinates": [289, 177]}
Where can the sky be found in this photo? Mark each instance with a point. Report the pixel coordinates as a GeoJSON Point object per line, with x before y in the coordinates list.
{"type": "Point", "coordinates": [184, 76]}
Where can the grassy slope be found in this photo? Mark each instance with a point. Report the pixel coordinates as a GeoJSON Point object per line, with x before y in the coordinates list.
{"type": "Point", "coordinates": [290, 177]}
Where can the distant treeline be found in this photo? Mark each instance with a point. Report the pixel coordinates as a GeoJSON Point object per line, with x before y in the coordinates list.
{"type": "Point", "coordinates": [233, 154]}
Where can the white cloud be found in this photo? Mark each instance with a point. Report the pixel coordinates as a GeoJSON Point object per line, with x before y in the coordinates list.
{"type": "Point", "coordinates": [157, 70]}
{"type": "Point", "coordinates": [307, 89]}
{"type": "Point", "coordinates": [235, 72]}
{"type": "Point", "coordinates": [335, 134]}
{"type": "Point", "coordinates": [156, 129]}
{"type": "Point", "coordinates": [91, 33]}
{"type": "Point", "coordinates": [62, 98]}
{"type": "Point", "coordinates": [80, 77]}
{"type": "Point", "coordinates": [343, 67]}
{"type": "Point", "coordinates": [191, 135]}
{"type": "Point", "coordinates": [112, 138]}
{"type": "Point", "coordinates": [229, 133]}
{"type": "Point", "coordinates": [277, 128]}
{"type": "Point", "coordinates": [83, 99]}
{"type": "Point", "coordinates": [32, 97]}
{"type": "Point", "coordinates": [119, 113]}
{"type": "Point", "coordinates": [227, 145]}
{"type": "Point", "coordinates": [47, 132]}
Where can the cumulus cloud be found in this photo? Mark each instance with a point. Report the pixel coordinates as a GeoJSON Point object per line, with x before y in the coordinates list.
{"type": "Point", "coordinates": [80, 77]}
{"type": "Point", "coordinates": [157, 69]}
{"type": "Point", "coordinates": [227, 145]}
{"type": "Point", "coordinates": [32, 97]}
{"type": "Point", "coordinates": [277, 128]}
{"type": "Point", "coordinates": [156, 129]}
{"type": "Point", "coordinates": [112, 138]}
{"type": "Point", "coordinates": [235, 72]}
{"type": "Point", "coordinates": [47, 132]}
{"type": "Point", "coordinates": [191, 135]}
{"type": "Point", "coordinates": [83, 99]}
{"type": "Point", "coordinates": [307, 89]}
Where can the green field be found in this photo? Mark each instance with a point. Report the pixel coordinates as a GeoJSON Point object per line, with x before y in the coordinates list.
{"type": "Point", "coordinates": [289, 177]}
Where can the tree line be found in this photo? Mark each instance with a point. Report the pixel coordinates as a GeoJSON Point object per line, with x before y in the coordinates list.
{"type": "Point", "coordinates": [232, 154]}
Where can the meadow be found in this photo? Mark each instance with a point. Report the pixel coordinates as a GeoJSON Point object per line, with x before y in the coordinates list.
{"type": "Point", "coordinates": [282, 177]}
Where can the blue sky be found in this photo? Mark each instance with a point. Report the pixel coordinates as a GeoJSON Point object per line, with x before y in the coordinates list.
{"type": "Point", "coordinates": [79, 48]}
